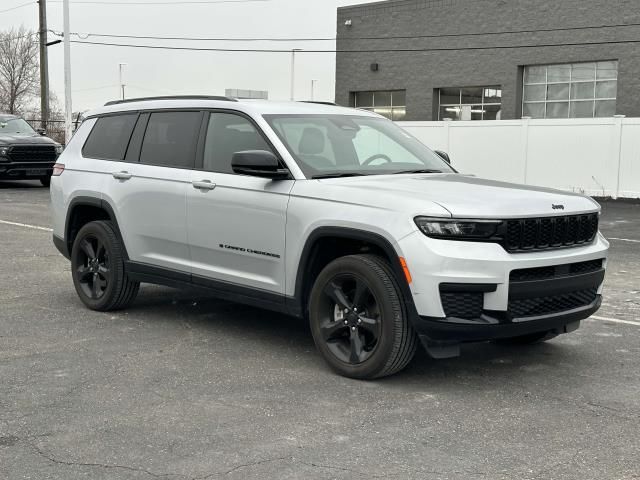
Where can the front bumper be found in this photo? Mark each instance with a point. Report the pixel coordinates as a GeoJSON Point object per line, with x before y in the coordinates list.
{"type": "Point", "coordinates": [24, 170]}
{"type": "Point", "coordinates": [503, 306]}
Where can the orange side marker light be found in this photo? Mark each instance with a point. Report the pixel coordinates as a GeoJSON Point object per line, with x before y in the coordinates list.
{"type": "Point", "coordinates": [405, 268]}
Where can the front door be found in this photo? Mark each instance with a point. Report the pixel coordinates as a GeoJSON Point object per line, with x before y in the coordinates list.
{"type": "Point", "coordinates": [236, 223]}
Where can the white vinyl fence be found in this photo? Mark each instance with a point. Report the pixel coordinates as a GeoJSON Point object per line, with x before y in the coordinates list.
{"type": "Point", "coordinates": [599, 157]}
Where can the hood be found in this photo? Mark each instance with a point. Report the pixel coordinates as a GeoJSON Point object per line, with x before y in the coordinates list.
{"type": "Point", "coordinates": [462, 196]}
{"type": "Point", "coordinates": [25, 140]}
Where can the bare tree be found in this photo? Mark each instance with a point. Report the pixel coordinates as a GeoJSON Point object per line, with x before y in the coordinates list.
{"type": "Point", "coordinates": [18, 68]}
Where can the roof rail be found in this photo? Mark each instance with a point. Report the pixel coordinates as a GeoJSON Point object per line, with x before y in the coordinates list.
{"type": "Point", "coordinates": [173, 97]}
{"type": "Point", "coordinates": [319, 103]}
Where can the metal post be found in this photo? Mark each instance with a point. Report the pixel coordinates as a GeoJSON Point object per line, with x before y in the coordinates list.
{"type": "Point", "coordinates": [293, 72]}
{"type": "Point", "coordinates": [122, 85]}
{"type": "Point", "coordinates": [44, 65]}
{"type": "Point", "coordinates": [68, 106]}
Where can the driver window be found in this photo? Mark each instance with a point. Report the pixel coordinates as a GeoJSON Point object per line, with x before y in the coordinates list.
{"type": "Point", "coordinates": [370, 142]}
{"type": "Point", "coordinates": [227, 134]}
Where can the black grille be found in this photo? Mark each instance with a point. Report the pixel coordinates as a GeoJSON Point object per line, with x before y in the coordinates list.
{"type": "Point", "coordinates": [465, 305]}
{"type": "Point", "coordinates": [533, 307]}
{"type": "Point", "coordinates": [33, 153]}
{"type": "Point", "coordinates": [585, 267]}
{"type": "Point", "coordinates": [550, 232]}
{"type": "Point", "coordinates": [543, 273]}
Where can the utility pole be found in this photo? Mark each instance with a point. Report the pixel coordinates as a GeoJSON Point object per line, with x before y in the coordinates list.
{"type": "Point", "coordinates": [44, 65]}
{"type": "Point", "coordinates": [122, 84]}
{"type": "Point", "coordinates": [293, 72]}
{"type": "Point", "coordinates": [68, 106]}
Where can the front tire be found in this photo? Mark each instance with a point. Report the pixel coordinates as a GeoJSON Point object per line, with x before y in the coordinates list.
{"type": "Point", "coordinates": [358, 319]}
{"type": "Point", "coordinates": [97, 268]}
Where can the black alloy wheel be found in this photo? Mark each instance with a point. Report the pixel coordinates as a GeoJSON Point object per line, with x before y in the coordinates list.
{"type": "Point", "coordinates": [93, 269]}
{"type": "Point", "coordinates": [350, 318]}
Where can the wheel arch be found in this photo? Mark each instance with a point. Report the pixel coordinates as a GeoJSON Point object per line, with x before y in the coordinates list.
{"type": "Point", "coordinates": [83, 210]}
{"type": "Point", "coordinates": [343, 241]}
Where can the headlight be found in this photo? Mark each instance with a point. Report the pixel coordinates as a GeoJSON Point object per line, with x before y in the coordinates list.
{"type": "Point", "coordinates": [4, 151]}
{"type": "Point", "coordinates": [59, 149]}
{"type": "Point", "coordinates": [455, 229]}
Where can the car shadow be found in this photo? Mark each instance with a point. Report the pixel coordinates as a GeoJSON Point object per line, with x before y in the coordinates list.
{"type": "Point", "coordinates": [20, 184]}
{"type": "Point", "coordinates": [480, 364]}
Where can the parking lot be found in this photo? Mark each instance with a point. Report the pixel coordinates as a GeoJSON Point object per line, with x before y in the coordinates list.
{"type": "Point", "coordinates": [186, 387]}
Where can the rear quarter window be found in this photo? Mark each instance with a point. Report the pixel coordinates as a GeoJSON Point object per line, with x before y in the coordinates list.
{"type": "Point", "coordinates": [110, 137]}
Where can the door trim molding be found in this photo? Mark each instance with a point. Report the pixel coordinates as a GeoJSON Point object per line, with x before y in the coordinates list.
{"type": "Point", "coordinates": [233, 292]}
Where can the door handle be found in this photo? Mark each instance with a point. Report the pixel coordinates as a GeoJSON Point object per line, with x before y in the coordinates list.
{"type": "Point", "coordinates": [122, 175]}
{"type": "Point", "coordinates": [204, 185]}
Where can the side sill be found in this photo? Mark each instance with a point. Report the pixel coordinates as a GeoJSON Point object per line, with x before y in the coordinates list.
{"type": "Point", "coordinates": [223, 290]}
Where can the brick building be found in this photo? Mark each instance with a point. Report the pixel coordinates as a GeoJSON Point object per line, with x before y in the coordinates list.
{"type": "Point", "coordinates": [490, 59]}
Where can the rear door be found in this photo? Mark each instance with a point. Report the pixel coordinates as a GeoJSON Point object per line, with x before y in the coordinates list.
{"type": "Point", "coordinates": [236, 223]}
{"type": "Point", "coordinates": [148, 190]}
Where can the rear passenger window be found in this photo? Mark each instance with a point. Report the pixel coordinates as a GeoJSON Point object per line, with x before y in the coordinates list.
{"type": "Point", "coordinates": [171, 139]}
{"type": "Point", "coordinates": [110, 136]}
{"type": "Point", "coordinates": [227, 134]}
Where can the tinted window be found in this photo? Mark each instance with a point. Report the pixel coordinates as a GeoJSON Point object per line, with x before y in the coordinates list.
{"type": "Point", "coordinates": [170, 139]}
{"type": "Point", "coordinates": [227, 134]}
{"type": "Point", "coordinates": [110, 137]}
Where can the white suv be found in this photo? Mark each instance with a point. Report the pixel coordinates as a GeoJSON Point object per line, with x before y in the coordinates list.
{"type": "Point", "coordinates": [329, 214]}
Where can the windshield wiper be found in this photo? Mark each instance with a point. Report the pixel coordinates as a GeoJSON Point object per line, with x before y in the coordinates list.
{"type": "Point", "coordinates": [337, 175]}
{"type": "Point", "coordinates": [422, 170]}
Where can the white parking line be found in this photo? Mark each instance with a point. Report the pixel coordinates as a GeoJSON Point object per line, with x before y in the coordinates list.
{"type": "Point", "coordinates": [25, 225]}
{"type": "Point", "coordinates": [615, 320]}
{"type": "Point", "coordinates": [624, 240]}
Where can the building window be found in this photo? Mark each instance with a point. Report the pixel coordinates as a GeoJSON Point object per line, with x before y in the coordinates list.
{"type": "Point", "coordinates": [390, 103]}
{"type": "Point", "coordinates": [576, 90]}
{"type": "Point", "coordinates": [470, 103]}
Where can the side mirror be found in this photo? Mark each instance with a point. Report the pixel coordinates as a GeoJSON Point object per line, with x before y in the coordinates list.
{"type": "Point", "coordinates": [258, 163]}
{"type": "Point", "coordinates": [444, 156]}
{"type": "Point", "coordinates": [42, 131]}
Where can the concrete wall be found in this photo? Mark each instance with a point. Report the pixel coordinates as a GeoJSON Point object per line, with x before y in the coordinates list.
{"type": "Point", "coordinates": [599, 157]}
{"type": "Point", "coordinates": [420, 73]}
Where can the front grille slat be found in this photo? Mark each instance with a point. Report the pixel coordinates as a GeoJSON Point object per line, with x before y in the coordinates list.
{"type": "Point", "coordinates": [545, 233]}
{"type": "Point", "coordinates": [546, 273]}
{"type": "Point", "coordinates": [534, 307]}
{"type": "Point", "coordinates": [32, 153]}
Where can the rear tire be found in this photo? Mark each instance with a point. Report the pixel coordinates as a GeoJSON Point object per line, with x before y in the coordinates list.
{"type": "Point", "coordinates": [97, 268]}
{"type": "Point", "coordinates": [358, 318]}
{"type": "Point", "coordinates": [45, 181]}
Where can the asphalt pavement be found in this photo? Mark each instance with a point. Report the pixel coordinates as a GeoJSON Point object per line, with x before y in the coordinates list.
{"type": "Point", "coordinates": [181, 386]}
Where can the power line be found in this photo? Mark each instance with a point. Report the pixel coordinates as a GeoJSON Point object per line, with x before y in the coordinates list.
{"type": "Point", "coordinates": [19, 6]}
{"type": "Point", "coordinates": [324, 39]}
{"type": "Point", "coordinates": [172, 2]}
{"type": "Point", "coordinates": [379, 50]}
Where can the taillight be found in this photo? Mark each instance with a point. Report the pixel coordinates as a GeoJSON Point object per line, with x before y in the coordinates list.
{"type": "Point", "coordinates": [58, 168]}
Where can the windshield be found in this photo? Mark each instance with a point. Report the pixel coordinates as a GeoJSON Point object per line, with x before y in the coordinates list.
{"type": "Point", "coordinates": [15, 126]}
{"type": "Point", "coordinates": [342, 145]}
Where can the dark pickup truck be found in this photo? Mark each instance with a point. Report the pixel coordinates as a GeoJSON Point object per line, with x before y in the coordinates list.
{"type": "Point", "coordinates": [24, 153]}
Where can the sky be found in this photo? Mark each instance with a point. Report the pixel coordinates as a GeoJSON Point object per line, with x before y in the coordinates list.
{"type": "Point", "coordinates": [95, 76]}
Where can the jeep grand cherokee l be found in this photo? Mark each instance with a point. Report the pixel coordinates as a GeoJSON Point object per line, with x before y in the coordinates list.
{"type": "Point", "coordinates": [330, 214]}
{"type": "Point", "coordinates": [24, 153]}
